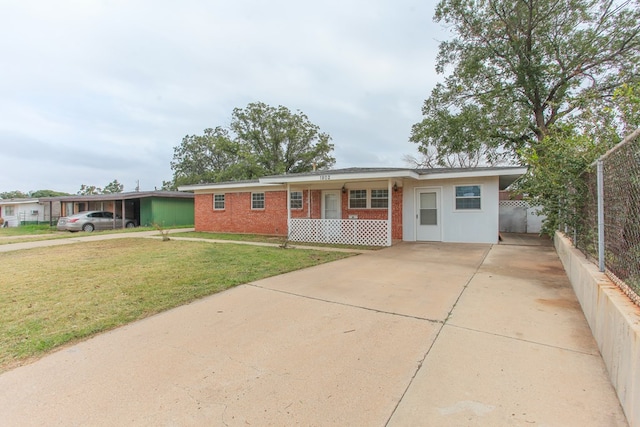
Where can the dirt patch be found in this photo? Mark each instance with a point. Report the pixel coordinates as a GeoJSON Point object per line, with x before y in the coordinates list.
{"type": "Point", "coordinates": [560, 303]}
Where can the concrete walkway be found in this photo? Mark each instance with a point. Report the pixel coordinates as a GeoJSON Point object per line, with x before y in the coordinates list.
{"type": "Point", "coordinates": [413, 335]}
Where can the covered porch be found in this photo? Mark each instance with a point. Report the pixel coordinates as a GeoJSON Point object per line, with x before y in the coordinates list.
{"type": "Point", "coordinates": [352, 211]}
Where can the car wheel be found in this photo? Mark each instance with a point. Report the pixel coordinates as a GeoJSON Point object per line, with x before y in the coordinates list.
{"type": "Point", "coordinates": [88, 228]}
{"type": "Point", "coordinates": [130, 225]}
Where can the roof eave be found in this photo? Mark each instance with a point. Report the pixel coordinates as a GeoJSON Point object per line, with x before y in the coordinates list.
{"type": "Point", "coordinates": [222, 185]}
{"type": "Point", "coordinates": [333, 176]}
{"type": "Point", "coordinates": [475, 173]}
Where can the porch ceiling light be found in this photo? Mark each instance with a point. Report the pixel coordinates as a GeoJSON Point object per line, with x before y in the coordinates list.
{"type": "Point", "coordinates": [395, 186]}
{"type": "Point", "coordinates": [344, 189]}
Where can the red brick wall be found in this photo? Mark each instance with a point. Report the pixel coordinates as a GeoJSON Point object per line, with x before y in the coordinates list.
{"type": "Point", "coordinates": [238, 217]}
{"type": "Point", "coordinates": [396, 212]}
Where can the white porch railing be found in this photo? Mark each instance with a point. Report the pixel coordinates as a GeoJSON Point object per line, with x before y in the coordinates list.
{"type": "Point", "coordinates": [367, 232]}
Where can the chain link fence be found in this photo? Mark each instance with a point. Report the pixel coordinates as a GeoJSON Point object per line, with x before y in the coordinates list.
{"type": "Point", "coordinates": [620, 172]}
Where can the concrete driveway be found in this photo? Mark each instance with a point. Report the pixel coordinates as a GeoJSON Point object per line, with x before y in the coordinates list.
{"type": "Point", "coordinates": [413, 335]}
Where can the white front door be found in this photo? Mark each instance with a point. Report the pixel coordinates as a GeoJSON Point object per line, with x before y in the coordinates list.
{"type": "Point", "coordinates": [331, 205]}
{"type": "Point", "coordinates": [428, 218]}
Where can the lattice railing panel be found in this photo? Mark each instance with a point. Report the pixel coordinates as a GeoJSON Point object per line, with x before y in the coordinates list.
{"type": "Point", "coordinates": [366, 232]}
{"type": "Point", "coordinates": [515, 203]}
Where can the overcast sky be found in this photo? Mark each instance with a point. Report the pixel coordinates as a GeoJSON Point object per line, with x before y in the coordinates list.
{"type": "Point", "coordinates": [92, 91]}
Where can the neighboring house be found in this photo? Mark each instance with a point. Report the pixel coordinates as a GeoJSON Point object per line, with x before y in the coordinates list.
{"type": "Point", "coordinates": [364, 206]}
{"type": "Point", "coordinates": [16, 212]}
{"type": "Point", "coordinates": [147, 208]}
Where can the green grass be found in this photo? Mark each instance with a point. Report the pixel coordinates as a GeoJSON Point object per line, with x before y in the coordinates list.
{"type": "Point", "coordinates": [263, 239]}
{"type": "Point", "coordinates": [26, 230]}
{"type": "Point", "coordinates": [28, 234]}
{"type": "Point", "coordinates": [53, 296]}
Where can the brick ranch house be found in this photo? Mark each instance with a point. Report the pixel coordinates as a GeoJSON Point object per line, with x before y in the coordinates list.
{"type": "Point", "coordinates": [365, 206]}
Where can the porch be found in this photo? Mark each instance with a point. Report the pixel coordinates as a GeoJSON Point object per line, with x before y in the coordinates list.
{"type": "Point", "coordinates": [360, 213]}
{"type": "Point", "coordinates": [365, 232]}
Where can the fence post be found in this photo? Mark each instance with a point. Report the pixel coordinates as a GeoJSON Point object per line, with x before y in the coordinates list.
{"type": "Point", "coordinates": [600, 183]}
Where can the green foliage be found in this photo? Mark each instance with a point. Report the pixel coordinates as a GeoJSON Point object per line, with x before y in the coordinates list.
{"type": "Point", "coordinates": [48, 193]}
{"type": "Point", "coordinates": [519, 68]}
{"type": "Point", "coordinates": [278, 141]}
{"type": "Point", "coordinates": [261, 140]}
{"type": "Point", "coordinates": [32, 194]}
{"type": "Point", "coordinates": [88, 190]}
{"type": "Point", "coordinates": [14, 195]}
{"type": "Point", "coordinates": [555, 179]}
{"type": "Point", "coordinates": [169, 186]}
{"type": "Point", "coordinates": [627, 99]}
{"type": "Point", "coordinates": [210, 157]}
{"type": "Point", "coordinates": [557, 164]}
{"type": "Point", "coordinates": [113, 187]}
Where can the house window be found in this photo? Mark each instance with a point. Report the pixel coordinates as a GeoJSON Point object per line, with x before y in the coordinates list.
{"type": "Point", "coordinates": [296, 200]}
{"type": "Point", "coordinates": [357, 199]}
{"type": "Point", "coordinates": [218, 202]}
{"type": "Point", "coordinates": [467, 197]}
{"type": "Point", "coordinates": [257, 200]}
{"type": "Point", "coordinates": [379, 199]}
{"type": "Point", "coordinates": [9, 211]}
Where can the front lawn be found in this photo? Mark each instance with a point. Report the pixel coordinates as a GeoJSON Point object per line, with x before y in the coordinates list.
{"type": "Point", "coordinates": [56, 295]}
{"type": "Point", "coordinates": [264, 239]}
{"type": "Point", "coordinates": [27, 230]}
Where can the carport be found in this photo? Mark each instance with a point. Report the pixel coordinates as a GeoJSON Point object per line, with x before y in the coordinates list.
{"type": "Point", "coordinates": [146, 208]}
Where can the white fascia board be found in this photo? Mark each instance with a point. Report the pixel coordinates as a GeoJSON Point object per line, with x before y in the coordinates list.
{"type": "Point", "coordinates": [473, 174]}
{"type": "Point", "coordinates": [239, 186]}
{"type": "Point", "coordinates": [329, 176]}
{"type": "Point", "coordinates": [14, 202]}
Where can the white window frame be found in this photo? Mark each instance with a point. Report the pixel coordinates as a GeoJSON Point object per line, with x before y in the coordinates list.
{"type": "Point", "coordinates": [366, 198]}
{"type": "Point", "coordinates": [264, 201]}
{"type": "Point", "coordinates": [292, 199]}
{"type": "Point", "coordinates": [9, 210]}
{"type": "Point", "coordinates": [456, 198]}
{"type": "Point", "coordinates": [224, 201]}
{"type": "Point", "coordinates": [371, 198]}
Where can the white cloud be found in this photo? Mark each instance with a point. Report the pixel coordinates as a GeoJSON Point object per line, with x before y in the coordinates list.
{"type": "Point", "coordinates": [102, 90]}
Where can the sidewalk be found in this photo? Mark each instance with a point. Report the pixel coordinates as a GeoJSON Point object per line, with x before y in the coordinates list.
{"type": "Point", "coordinates": [412, 335]}
{"type": "Point", "coordinates": [84, 237]}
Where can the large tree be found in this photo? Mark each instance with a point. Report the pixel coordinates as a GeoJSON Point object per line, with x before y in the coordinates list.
{"type": "Point", "coordinates": [210, 157]}
{"type": "Point", "coordinates": [16, 194]}
{"type": "Point", "coordinates": [517, 68]}
{"type": "Point", "coordinates": [112, 187]}
{"type": "Point", "coordinates": [261, 140]}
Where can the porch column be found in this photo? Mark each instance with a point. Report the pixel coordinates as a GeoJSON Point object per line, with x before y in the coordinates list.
{"type": "Point", "coordinates": [288, 210]}
{"type": "Point", "coordinates": [389, 212]}
{"type": "Point", "coordinates": [123, 215]}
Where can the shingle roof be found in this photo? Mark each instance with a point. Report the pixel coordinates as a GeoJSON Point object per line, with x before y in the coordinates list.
{"type": "Point", "coordinates": [120, 196]}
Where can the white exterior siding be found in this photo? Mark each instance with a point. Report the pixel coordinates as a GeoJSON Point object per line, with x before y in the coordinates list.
{"type": "Point", "coordinates": [470, 226]}
{"type": "Point", "coordinates": [22, 211]}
